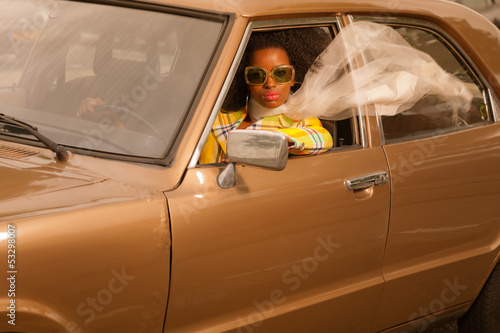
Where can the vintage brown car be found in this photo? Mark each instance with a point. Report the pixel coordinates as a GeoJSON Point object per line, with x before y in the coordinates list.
{"type": "Point", "coordinates": [108, 228]}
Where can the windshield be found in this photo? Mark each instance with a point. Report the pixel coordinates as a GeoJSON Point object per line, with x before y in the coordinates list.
{"type": "Point", "coordinates": [98, 77]}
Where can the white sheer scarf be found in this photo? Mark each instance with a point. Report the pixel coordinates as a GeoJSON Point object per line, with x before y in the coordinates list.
{"type": "Point", "coordinates": [371, 64]}
{"type": "Point", "coordinates": [258, 111]}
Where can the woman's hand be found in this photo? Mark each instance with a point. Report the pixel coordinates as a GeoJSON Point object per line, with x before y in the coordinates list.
{"type": "Point", "coordinates": [87, 111]}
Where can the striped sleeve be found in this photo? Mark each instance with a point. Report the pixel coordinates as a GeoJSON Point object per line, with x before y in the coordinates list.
{"type": "Point", "coordinates": [308, 137]}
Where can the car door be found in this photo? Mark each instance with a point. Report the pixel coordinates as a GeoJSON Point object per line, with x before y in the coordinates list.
{"type": "Point", "coordinates": [444, 224]}
{"type": "Point", "coordinates": [291, 250]}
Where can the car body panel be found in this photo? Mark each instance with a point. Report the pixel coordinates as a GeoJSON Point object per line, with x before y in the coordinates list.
{"type": "Point", "coordinates": [441, 220]}
{"type": "Point", "coordinates": [488, 8]}
{"type": "Point", "coordinates": [225, 246]}
{"type": "Point", "coordinates": [123, 259]}
{"type": "Point", "coordinates": [124, 276]}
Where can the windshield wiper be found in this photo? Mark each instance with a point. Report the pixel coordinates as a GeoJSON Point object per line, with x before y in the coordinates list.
{"type": "Point", "coordinates": [61, 152]}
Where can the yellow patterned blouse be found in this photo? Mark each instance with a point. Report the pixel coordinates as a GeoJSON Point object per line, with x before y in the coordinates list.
{"type": "Point", "coordinates": [307, 134]}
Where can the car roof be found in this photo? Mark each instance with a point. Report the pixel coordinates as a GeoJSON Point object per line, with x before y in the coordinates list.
{"type": "Point", "coordinates": [253, 8]}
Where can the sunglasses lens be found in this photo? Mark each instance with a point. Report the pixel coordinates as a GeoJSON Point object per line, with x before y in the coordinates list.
{"type": "Point", "coordinates": [256, 76]}
{"type": "Point", "coordinates": [283, 75]}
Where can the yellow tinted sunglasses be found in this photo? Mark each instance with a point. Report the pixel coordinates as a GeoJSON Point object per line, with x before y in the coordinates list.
{"type": "Point", "coordinates": [257, 76]}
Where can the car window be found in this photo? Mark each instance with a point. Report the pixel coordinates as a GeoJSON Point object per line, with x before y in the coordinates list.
{"type": "Point", "coordinates": [344, 133]}
{"type": "Point", "coordinates": [144, 66]}
{"type": "Point", "coordinates": [429, 116]}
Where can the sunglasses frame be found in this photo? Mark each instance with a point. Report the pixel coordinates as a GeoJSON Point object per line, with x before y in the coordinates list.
{"type": "Point", "coordinates": [269, 74]}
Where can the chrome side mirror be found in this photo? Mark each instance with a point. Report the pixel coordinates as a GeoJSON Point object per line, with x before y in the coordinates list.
{"type": "Point", "coordinates": [265, 149]}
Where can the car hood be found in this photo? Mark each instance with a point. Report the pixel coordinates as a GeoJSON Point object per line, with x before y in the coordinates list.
{"type": "Point", "coordinates": [41, 185]}
{"type": "Point", "coordinates": [24, 183]}
{"type": "Point", "coordinates": [22, 179]}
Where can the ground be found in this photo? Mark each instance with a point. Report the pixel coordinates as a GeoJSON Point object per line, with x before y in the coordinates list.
{"type": "Point", "coordinates": [447, 328]}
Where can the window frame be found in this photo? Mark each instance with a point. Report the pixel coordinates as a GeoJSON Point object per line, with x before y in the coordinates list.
{"type": "Point", "coordinates": [492, 106]}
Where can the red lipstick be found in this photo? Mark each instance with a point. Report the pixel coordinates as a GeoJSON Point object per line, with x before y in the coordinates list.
{"type": "Point", "coordinates": [271, 95]}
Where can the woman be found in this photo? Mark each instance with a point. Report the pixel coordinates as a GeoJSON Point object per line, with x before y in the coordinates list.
{"type": "Point", "coordinates": [270, 68]}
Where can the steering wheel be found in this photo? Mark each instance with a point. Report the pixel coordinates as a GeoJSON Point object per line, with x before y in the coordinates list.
{"type": "Point", "coordinates": [128, 113]}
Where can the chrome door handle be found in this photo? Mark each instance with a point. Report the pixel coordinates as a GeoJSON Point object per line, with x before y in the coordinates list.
{"type": "Point", "coordinates": [360, 183]}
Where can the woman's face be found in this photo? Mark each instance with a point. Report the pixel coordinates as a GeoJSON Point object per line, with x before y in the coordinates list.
{"type": "Point", "coordinates": [270, 94]}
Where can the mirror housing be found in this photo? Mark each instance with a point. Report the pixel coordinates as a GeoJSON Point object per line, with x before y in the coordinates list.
{"type": "Point", "coordinates": [265, 149]}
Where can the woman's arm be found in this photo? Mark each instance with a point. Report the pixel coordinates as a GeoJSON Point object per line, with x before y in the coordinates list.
{"type": "Point", "coordinates": [308, 137]}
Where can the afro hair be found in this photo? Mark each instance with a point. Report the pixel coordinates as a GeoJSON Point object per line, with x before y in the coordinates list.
{"type": "Point", "coordinates": [303, 46]}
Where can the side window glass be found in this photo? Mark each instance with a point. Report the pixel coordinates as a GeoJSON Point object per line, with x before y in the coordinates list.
{"type": "Point", "coordinates": [429, 117]}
